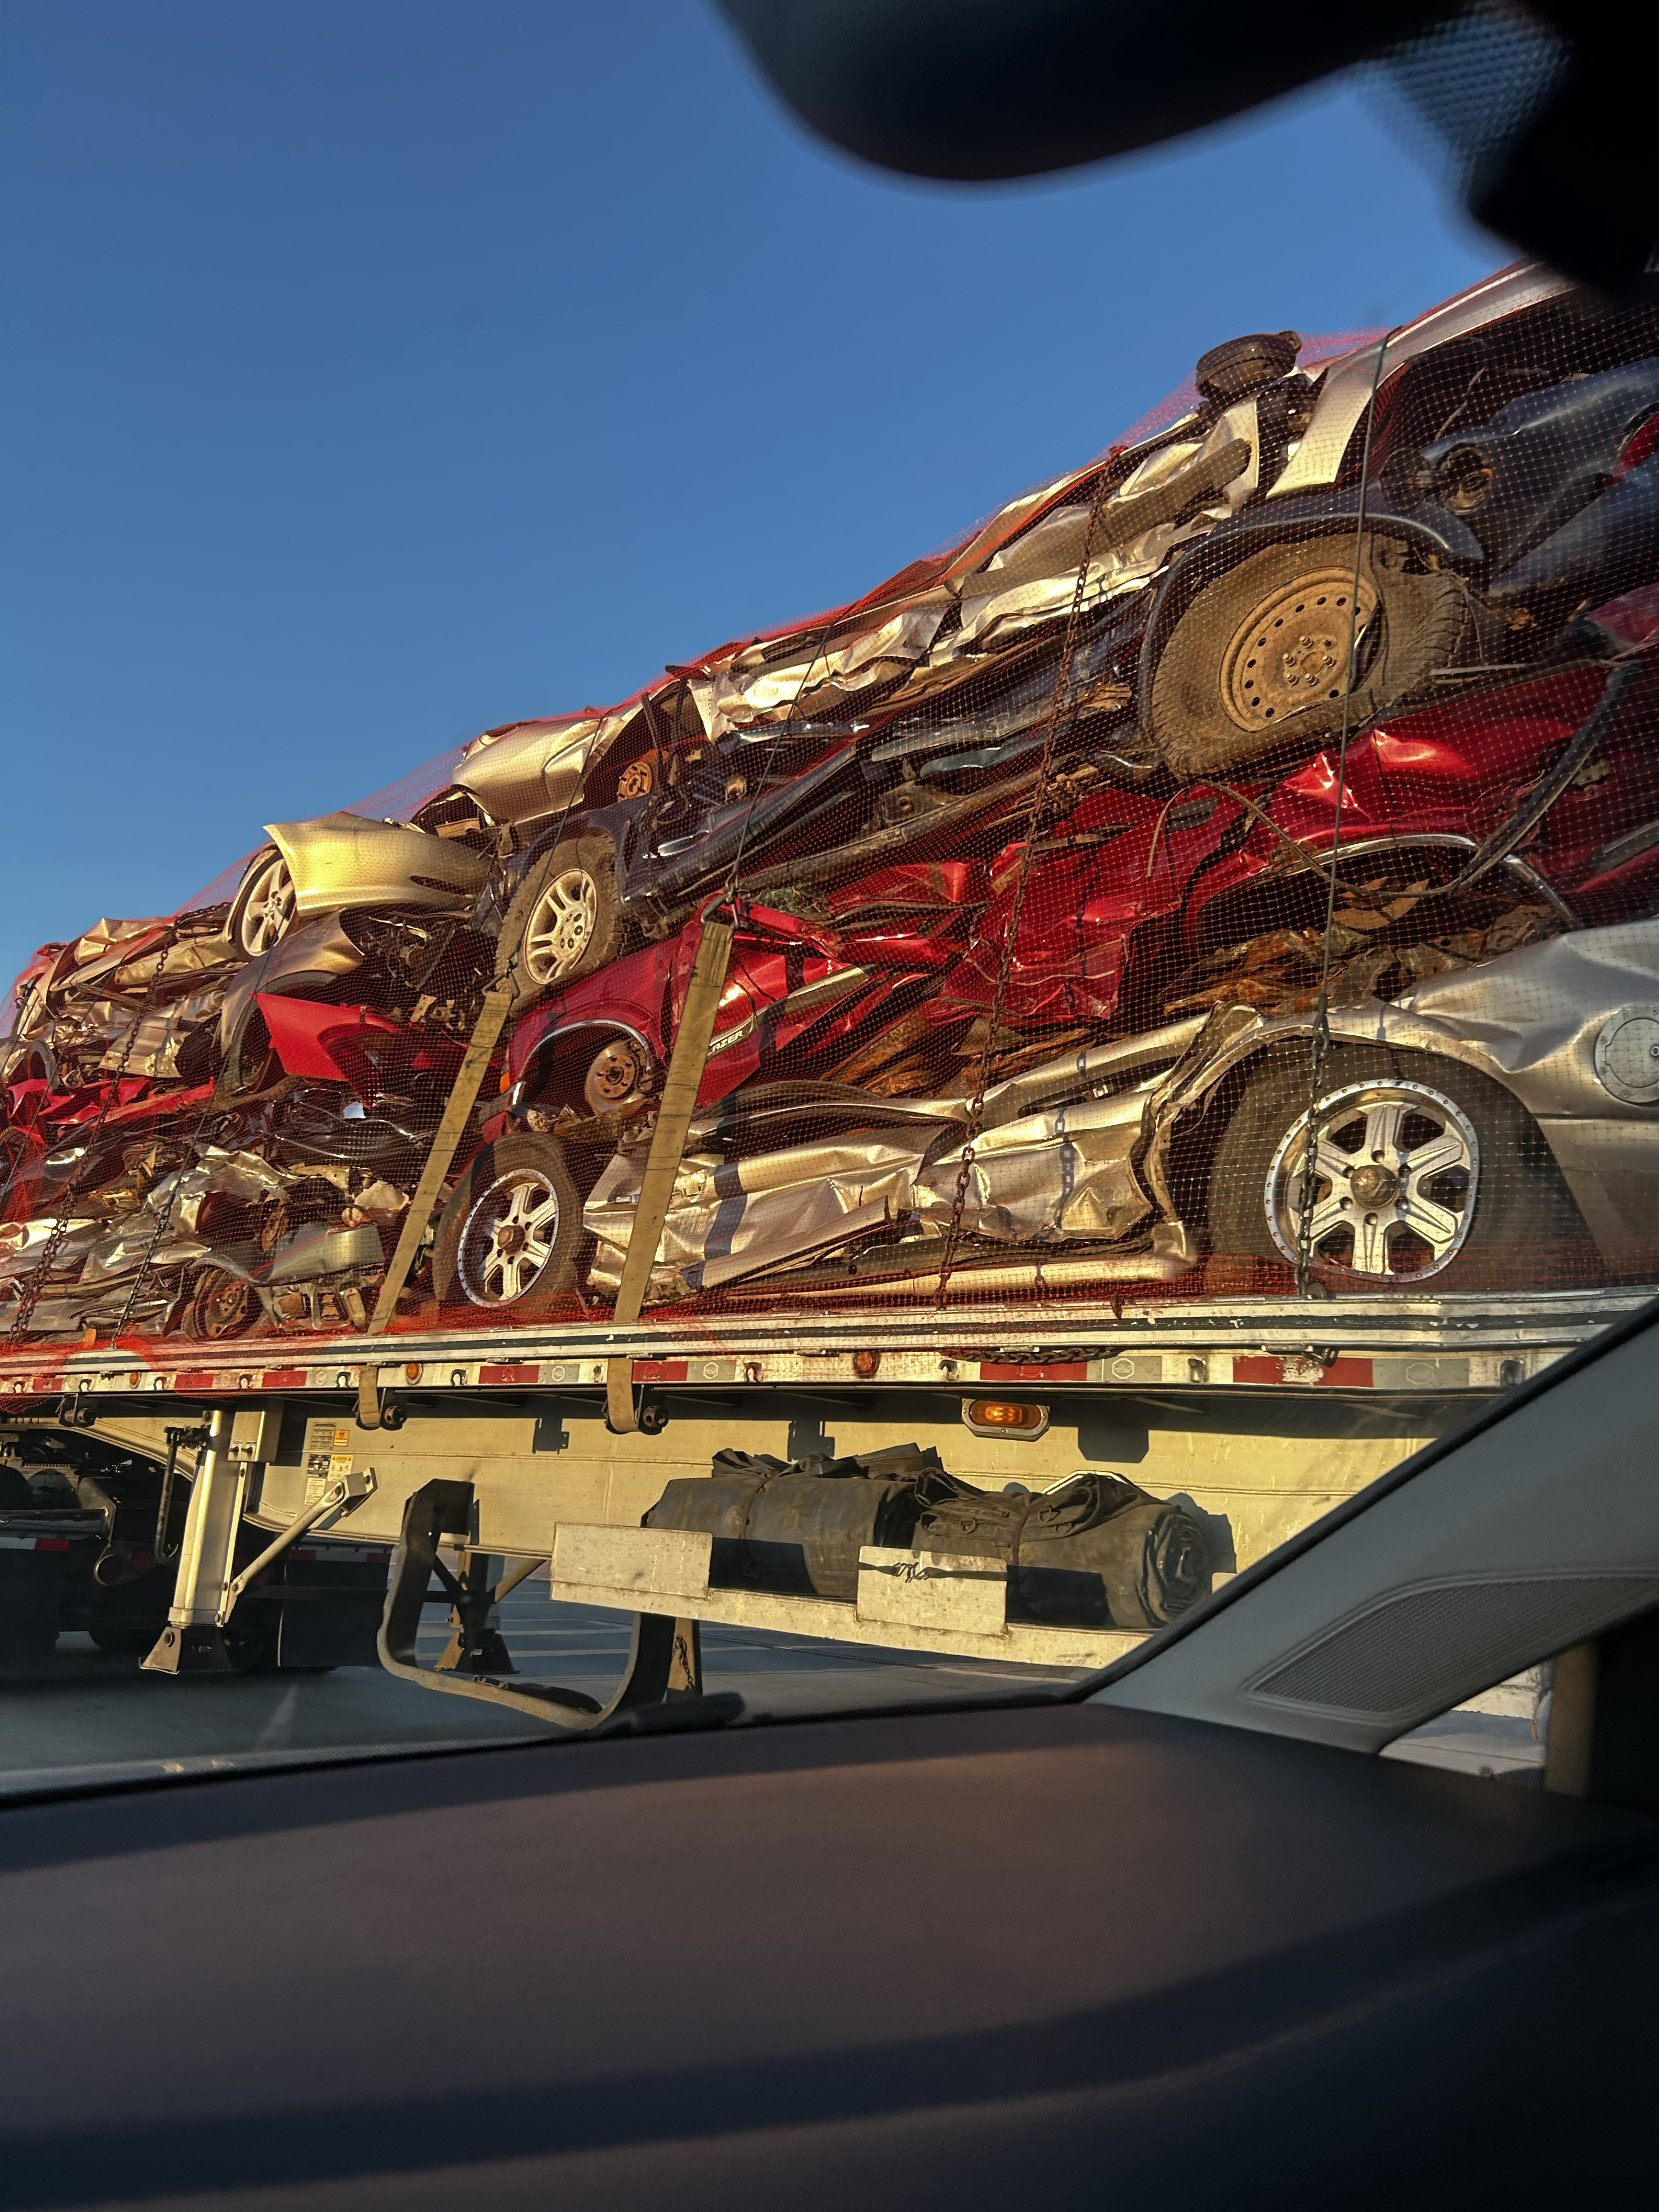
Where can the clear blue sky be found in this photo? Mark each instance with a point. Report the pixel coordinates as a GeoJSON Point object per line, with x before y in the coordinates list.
{"type": "Point", "coordinates": [378, 370]}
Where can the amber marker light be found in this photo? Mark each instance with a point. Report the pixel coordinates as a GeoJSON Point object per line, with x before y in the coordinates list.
{"type": "Point", "coordinates": [1003, 1417]}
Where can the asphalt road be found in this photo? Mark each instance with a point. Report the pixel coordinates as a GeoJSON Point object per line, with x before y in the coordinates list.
{"type": "Point", "coordinates": [92, 1718]}
{"type": "Point", "coordinates": [95, 1716]}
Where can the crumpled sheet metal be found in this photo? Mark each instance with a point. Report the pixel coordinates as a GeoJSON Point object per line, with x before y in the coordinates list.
{"type": "Point", "coordinates": [23, 1243]}
{"type": "Point", "coordinates": [309, 957]}
{"type": "Point", "coordinates": [1062, 1176]}
{"type": "Point", "coordinates": [98, 1257]}
{"type": "Point", "coordinates": [345, 861]}
{"type": "Point", "coordinates": [158, 958]}
{"type": "Point", "coordinates": [749, 688]}
{"type": "Point", "coordinates": [1036, 577]}
{"type": "Point", "coordinates": [136, 1041]}
{"type": "Point", "coordinates": [1532, 1016]}
{"type": "Point", "coordinates": [120, 1250]}
{"type": "Point", "coordinates": [519, 774]}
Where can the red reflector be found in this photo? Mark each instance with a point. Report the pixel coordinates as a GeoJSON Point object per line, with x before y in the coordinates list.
{"type": "Point", "coordinates": [51, 1543]}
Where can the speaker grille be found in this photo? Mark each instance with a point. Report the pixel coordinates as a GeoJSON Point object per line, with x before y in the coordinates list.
{"type": "Point", "coordinates": [1420, 1648]}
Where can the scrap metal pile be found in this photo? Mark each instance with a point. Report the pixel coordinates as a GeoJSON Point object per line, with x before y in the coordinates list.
{"type": "Point", "coordinates": [1235, 862]}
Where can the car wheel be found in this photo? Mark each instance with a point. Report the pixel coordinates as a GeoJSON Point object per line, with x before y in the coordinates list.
{"type": "Point", "coordinates": [511, 1230]}
{"type": "Point", "coordinates": [1260, 657]}
{"type": "Point", "coordinates": [565, 920]}
{"type": "Point", "coordinates": [264, 906]}
{"type": "Point", "coordinates": [27, 1060]}
{"type": "Point", "coordinates": [1422, 1169]}
{"type": "Point", "coordinates": [220, 1305]}
{"type": "Point", "coordinates": [619, 1077]}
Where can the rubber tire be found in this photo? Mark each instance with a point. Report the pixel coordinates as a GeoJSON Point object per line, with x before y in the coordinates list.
{"type": "Point", "coordinates": [1525, 1224]}
{"type": "Point", "coordinates": [127, 1643]}
{"type": "Point", "coordinates": [554, 1287]}
{"type": "Point", "coordinates": [1424, 620]}
{"type": "Point", "coordinates": [598, 855]}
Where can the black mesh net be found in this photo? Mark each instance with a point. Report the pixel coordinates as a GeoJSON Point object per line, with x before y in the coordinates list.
{"type": "Point", "coordinates": [1231, 868]}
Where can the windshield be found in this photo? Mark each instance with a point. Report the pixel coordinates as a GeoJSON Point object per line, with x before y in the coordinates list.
{"type": "Point", "coordinates": [777, 1164]}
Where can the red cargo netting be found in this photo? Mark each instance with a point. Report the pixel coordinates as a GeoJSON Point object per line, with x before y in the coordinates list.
{"type": "Point", "coordinates": [1230, 868]}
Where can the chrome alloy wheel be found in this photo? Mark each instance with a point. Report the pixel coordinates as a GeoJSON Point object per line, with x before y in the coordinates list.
{"type": "Point", "coordinates": [1395, 1171]}
{"type": "Point", "coordinates": [268, 909]}
{"type": "Point", "coordinates": [509, 1237]}
{"type": "Point", "coordinates": [561, 923]}
{"type": "Point", "coordinates": [1292, 652]}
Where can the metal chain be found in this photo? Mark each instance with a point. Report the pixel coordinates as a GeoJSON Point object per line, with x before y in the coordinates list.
{"type": "Point", "coordinates": [215, 1103]}
{"type": "Point", "coordinates": [1319, 1042]}
{"type": "Point", "coordinates": [1022, 878]}
{"type": "Point", "coordinates": [43, 1265]}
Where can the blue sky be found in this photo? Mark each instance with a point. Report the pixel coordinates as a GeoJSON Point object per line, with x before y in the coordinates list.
{"type": "Point", "coordinates": [379, 370]}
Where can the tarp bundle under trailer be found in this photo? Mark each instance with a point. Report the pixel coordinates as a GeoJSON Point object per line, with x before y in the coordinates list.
{"type": "Point", "coordinates": [1222, 886]}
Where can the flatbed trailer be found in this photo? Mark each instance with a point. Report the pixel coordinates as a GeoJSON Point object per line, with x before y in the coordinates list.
{"type": "Point", "coordinates": [483, 1457]}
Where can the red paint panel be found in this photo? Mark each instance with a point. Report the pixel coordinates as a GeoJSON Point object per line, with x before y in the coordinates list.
{"type": "Point", "coordinates": [659, 1371]}
{"type": "Point", "coordinates": [1345, 1374]}
{"type": "Point", "coordinates": [164, 1101]}
{"type": "Point", "coordinates": [298, 1028]}
{"type": "Point", "coordinates": [1349, 1374]}
{"type": "Point", "coordinates": [521, 1374]}
{"type": "Point", "coordinates": [1075, 1370]}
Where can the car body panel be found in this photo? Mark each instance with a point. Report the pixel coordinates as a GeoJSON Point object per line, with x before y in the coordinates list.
{"type": "Point", "coordinates": [344, 861]}
{"type": "Point", "coordinates": [532, 768]}
{"type": "Point", "coordinates": [1349, 383]}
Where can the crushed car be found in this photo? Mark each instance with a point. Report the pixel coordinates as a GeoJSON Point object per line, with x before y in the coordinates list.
{"type": "Point", "coordinates": [1116, 895]}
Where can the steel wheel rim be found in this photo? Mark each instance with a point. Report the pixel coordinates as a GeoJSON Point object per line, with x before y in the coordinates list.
{"type": "Point", "coordinates": [1291, 653]}
{"type": "Point", "coordinates": [561, 924]}
{"type": "Point", "coordinates": [268, 909]}
{"type": "Point", "coordinates": [510, 1237]}
{"type": "Point", "coordinates": [225, 1308]}
{"type": "Point", "coordinates": [1396, 1172]}
{"type": "Point", "coordinates": [616, 1077]}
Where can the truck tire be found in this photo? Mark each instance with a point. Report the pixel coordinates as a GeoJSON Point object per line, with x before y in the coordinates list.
{"type": "Point", "coordinates": [565, 920]}
{"type": "Point", "coordinates": [510, 1235]}
{"type": "Point", "coordinates": [1426, 1171]}
{"type": "Point", "coordinates": [1259, 660]}
{"type": "Point", "coordinates": [126, 1642]}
